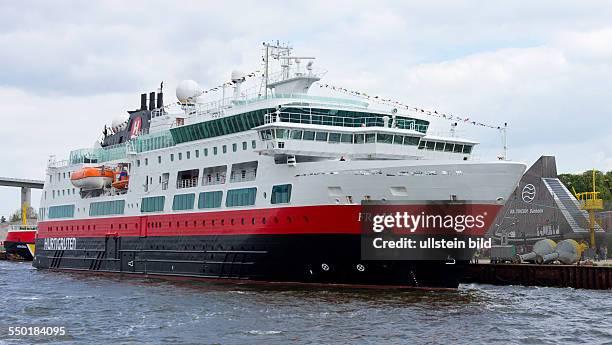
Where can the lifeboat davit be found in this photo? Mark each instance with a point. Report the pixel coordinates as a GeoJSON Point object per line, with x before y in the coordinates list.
{"type": "Point", "coordinates": [92, 178]}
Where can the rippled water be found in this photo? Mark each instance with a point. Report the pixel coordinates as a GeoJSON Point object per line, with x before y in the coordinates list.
{"type": "Point", "coordinates": [103, 310]}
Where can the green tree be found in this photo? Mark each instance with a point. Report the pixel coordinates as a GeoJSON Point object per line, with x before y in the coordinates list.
{"type": "Point", "coordinates": [584, 183]}
{"type": "Point", "coordinates": [16, 216]}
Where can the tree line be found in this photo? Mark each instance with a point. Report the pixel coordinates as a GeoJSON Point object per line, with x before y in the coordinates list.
{"type": "Point", "coordinates": [583, 182]}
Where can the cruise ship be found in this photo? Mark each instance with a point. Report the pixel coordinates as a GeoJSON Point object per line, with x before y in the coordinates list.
{"type": "Point", "coordinates": [263, 187]}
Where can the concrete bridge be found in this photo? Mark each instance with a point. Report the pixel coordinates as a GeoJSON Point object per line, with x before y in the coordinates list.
{"type": "Point", "coordinates": [25, 185]}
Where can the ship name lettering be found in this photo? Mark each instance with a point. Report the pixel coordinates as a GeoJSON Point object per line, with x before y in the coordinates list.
{"type": "Point", "coordinates": [60, 243]}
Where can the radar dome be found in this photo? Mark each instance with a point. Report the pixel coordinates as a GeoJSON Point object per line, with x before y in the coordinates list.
{"type": "Point", "coordinates": [118, 121]}
{"type": "Point", "coordinates": [187, 91]}
{"type": "Point", "coordinates": [238, 76]}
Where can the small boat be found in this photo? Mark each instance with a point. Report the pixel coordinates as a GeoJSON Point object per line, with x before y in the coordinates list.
{"type": "Point", "coordinates": [19, 242]}
{"type": "Point", "coordinates": [92, 178]}
{"type": "Point", "coordinates": [121, 180]}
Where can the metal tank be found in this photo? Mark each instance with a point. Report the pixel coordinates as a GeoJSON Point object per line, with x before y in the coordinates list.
{"type": "Point", "coordinates": [568, 252]}
{"type": "Point", "coordinates": [540, 248]}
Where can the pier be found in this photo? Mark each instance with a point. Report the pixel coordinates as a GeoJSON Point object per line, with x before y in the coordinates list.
{"type": "Point", "coordinates": [574, 276]}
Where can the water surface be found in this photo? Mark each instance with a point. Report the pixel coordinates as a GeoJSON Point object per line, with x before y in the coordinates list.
{"type": "Point", "coordinates": [112, 309]}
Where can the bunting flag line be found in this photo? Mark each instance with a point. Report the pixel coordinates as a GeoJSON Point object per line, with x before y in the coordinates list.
{"type": "Point", "coordinates": [230, 83]}
{"type": "Point", "coordinates": [391, 102]}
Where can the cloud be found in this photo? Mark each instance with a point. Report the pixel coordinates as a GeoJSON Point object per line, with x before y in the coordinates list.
{"type": "Point", "coordinates": [69, 67]}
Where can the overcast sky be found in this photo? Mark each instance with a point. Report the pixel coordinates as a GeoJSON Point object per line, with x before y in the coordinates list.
{"type": "Point", "coordinates": [544, 67]}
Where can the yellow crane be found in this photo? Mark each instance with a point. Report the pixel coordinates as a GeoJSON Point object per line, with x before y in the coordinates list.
{"type": "Point", "coordinates": [591, 202]}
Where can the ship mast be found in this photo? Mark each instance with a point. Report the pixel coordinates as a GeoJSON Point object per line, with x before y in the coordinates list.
{"type": "Point", "coordinates": [276, 51]}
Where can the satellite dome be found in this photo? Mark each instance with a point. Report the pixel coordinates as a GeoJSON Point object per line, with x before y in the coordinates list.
{"type": "Point", "coordinates": [118, 121]}
{"type": "Point", "coordinates": [238, 76]}
{"type": "Point", "coordinates": [187, 91]}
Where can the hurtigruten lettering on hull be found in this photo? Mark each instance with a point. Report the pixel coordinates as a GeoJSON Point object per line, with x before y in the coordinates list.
{"type": "Point", "coordinates": [264, 186]}
{"type": "Point", "coordinates": [63, 243]}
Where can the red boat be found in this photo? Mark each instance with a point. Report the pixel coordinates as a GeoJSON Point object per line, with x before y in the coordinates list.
{"type": "Point", "coordinates": [19, 242]}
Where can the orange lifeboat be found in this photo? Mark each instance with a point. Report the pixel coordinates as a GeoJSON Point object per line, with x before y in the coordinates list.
{"type": "Point", "coordinates": [92, 178]}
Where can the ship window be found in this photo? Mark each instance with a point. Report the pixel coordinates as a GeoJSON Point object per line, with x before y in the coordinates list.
{"type": "Point", "coordinates": [138, 162]}
{"type": "Point", "coordinates": [411, 141]}
{"type": "Point", "coordinates": [187, 178]}
{"type": "Point", "coordinates": [210, 199]}
{"type": "Point", "coordinates": [105, 208]}
{"type": "Point", "coordinates": [172, 157]}
{"type": "Point", "coordinates": [398, 139]}
{"type": "Point", "coordinates": [197, 153]}
{"type": "Point", "coordinates": [334, 137]}
{"type": "Point", "coordinates": [241, 197]}
{"type": "Point", "coordinates": [359, 138]}
{"type": "Point", "coordinates": [253, 144]}
{"type": "Point", "coordinates": [266, 134]}
{"type": "Point", "coordinates": [321, 136]}
{"type": "Point", "coordinates": [146, 161]}
{"type": "Point", "coordinates": [430, 145]}
{"type": "Point", "coordinates": [183, 202]}
{"type": "Point", "coordinates": [439, 146]}
{"type": "Point", "coordinates": [244, 145]}
{"type": "Point", "coordinates": [159, 159]}
{"type": "Point", "coordinates": [188, 154]}
{"type": "Point", "coordinates": [205, 152]}
{"type": "Point", "coordinates": [296, 134]}
{"type": "Point", "coordinates": [224, 148]}
{"type": "Point", "coordinates": [214, 175]}
{"type": "Point", "coordinates": [467, 149]}
{"type": "Point", "coordinates": [346, 138]}
{"type": "Point", "coordinates": [370, 138]}
{"type": "Point", "coordinates": [309, 135]}
{"type": "Point", "coordinates": [63, 211]}
{"type": "Point", "coordinates": [242, 172]}
{"type": "Point", "coordinates": [422, 144]}
{"type": "Point", "coordinates": [458, 148]}
{"type": "Point", "coordinates": [448, 147]}
{"type": "Point", "coordinates": [152, 204]}
{"type": "Point", "coordinates": [281, 194]}
{"type": "Point", "coordinates": [384, 138]}
{"type": "Point", "coordinates": [180, 156]}
{"type": "Point", "coordinates": [234, 147]}
{"type": "Point", "coordinates": [282, 133]}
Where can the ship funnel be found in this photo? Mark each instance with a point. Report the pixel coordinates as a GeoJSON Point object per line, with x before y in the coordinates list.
{"type": "Point", "coordinates": [160, 100]}
{"type": "Point", "coordinates": [151, 100]}
{"type": "Point", "coordinates": [143, 101]}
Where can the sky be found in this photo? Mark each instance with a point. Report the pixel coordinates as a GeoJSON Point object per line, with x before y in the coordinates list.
{"type": "Point", "coordinates": [67, 68]}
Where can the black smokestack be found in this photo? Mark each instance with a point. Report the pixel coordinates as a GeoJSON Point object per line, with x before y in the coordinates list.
{"type": "Point", "coordinates": [143, 101]}
{"type": "Point", "coordinates": [152, 101]}
{"type": "Point", "coordinates": [160, 99]}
